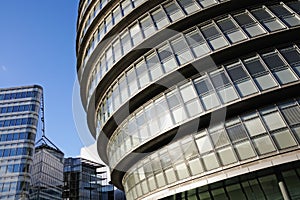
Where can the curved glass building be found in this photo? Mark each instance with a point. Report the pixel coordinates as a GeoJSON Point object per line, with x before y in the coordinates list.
{"type": "Point", "coordinates": [193, 99]}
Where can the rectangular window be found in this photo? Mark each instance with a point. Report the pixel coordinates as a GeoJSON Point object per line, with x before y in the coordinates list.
{"type": "Point", "coordinates": [283, 73]}
{"type": "Point", "coordinates": [227, 156]}
{"type": "Point", "coordinates": [108, 22]}
{"type": "Point", "coordinates": [173, 11]}
{"type": "Point", "coordinates": [132, 81]}
{"type": "Point", "coordinates": [207, 3]}
{"type": "Point", "coordinates": [289, 18]}
{"type": "Point", "coordinates": [259, 73]}
{"type": "Point", "coordinates": [167, 59]}
{"type": "Point", "coordinates": [181, 51]}
{"type": "Point", "coordinates": [195, 166]}
{"type": "Point", "coordinates": [264, 145]}
{"type": "Point", "coordinates": [269, 21]}
{"type": "Point", "coordinates": [206, 93]}
{"type": "Point", "coordinates": [135, 33]}
{"type": "Point", "coordinates": [159, 18]}
{"type": "Point", "coordinates": [219, 138]}
{"type": "Point", "coordinates": [254, 127]}
{"type": "Point", "coordinates": [292, 56]}
{"type": "Point", "coordinates": [117, 15]}
{"type": "Point", "coordinates": [244, 150]}
{"type": "Point", "coordinates": [189, 6]}
{"type": "Point", "coordinates": [123, 89]}
{"type": "Point", "coordinates": [126, 42]}
{"type": "Point", "coordinates": [142, 73]}
{"type": "Point", "coordinates": [214, 37]}
{"type": "Point", "coordinates": [210, 161]}
{"type": "Point", "coordinates": [147, 26]}
{"type": "Point", "coordinates": [292, 115]}
{"type": "Point", "coordinates": [197, 43]}
{"type": "Point", "coordinates": [154, 66]}
{"type": "Point", "coordinates": [251, 27]}
{"type": "Point", "coordinates": [224, 88]}
{"type": "Point", "coordinates": [117, 50]}
{"type": "Point", "coordinates": [241, 79]}
{"type": "Point", "coordinates": [126, 7]}
{"type": "Point", "coordinates": [204, 145]}
{"type": "Point", "coordinates": [284, 139]}
{"type": "Point", "coordinates": [231, 31]}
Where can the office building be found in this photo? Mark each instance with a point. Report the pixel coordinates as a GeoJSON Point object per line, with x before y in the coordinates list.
{"type": "Point", "coordinates": [193, 99]}
{"type": "Point", "coordinates": [19, 116]}
{"type": "Point", "coordinates": [83, 179]}
{"type": "Point", "coordinates": [47, 171]}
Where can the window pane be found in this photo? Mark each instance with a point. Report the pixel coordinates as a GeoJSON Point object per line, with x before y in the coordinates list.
{"type": "Point", "coordinates": [135, 33]}
{"type": "Point", "coordinates": [244, 150]}
{"type": "Point", "coordinates": [206, 3]}
{"type": "Point", "coordinates": [292, 114]}
{"type": "Point", "coordinates": [284, 139]}
{"type": "Point", "coordinates": [236, 133]}
{"type": "Point", "coordinates": [227, 156]}
{"type": "Point", "coordinates": [195, 166]}
{"type": "Point", "coordinates": [270, 187]}
{"type": "Point", "coordinates": [292, 182]}
{"type": "Point", "coordinates": [187, 92]}
{"type": "Point", "coordinates": [173, 11]}
{"type": "Point", "coordinates": [235, 192]}
{"type": "Point", "coordinates": [189, 6]}
{"type": "Point", "coordinates": [203, 86]}
{"type": "Point", "coordinates": [219, 138]}
{"type": "Point", "coordinates": [159, 18]}
{"type": "Point", "coordinates": [214, 37]}
{"type": "Point", "coordinates": [197, 43]}
{"type": "Point", "coordinates": [273, 121]}
{"type": "Point", "coordinates": [264, 145]}
{"type": "Point", "coordinates": [142, 73]}
{"type": "Point", "coordinates": [170, 175]}
{"type": "Point", "coordinates": [193, 108]}
{"type": "Point", "coordinates": [210, 161]}
{"type": "Point", "coordinates": [160, 180]}
{"type": "Point", "coordinates": [147, 26]}
{"type": "Point", "coordinates": [254, 127]}
{"type": "Point", "coordinates": [182, 171]}
{"type": "Point", "coordinates": [204, 144]}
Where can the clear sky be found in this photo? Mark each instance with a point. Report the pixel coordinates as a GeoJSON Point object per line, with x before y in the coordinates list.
{"type": "Point", "coordinates": [37, 46]}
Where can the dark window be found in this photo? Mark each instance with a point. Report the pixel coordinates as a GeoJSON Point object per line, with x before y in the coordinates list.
{"type": "Point", "coordinates": [219, 80]}
{"type": "Point", "coordinates": [203, 86]}
{"type": "Point", "coordinates": [237, 73]}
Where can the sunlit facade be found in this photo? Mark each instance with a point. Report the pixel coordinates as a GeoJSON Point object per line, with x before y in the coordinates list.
{"type": "Point", "coordinates": [186, 97]}
{"type": "Point", "coordinates": [19, 115]}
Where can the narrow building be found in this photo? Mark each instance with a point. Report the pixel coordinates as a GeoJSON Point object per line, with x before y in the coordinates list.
{"type": "Point", "coordinates": [19, 116]}
{"type": "Point", "coordinates": [47, 171]}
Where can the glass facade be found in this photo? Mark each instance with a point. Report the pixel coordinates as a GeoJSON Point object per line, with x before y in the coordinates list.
{"type": "Point", "coordinates": [19, 114]}
{"type": "Point", "coordinates": [197, 42]}
{"type": "Point", "coordinates": [230, 57]}
{"type": "Point", "coordinates": [263, 184]}
{"type": "Point", "coordinates": [230, 83]}
{"type": "Point", "coordinates": [47, 173]}
{"type": "Point", "coordinates": [244, 138]}
{"type": "Point", "coordinates": [83, 179]}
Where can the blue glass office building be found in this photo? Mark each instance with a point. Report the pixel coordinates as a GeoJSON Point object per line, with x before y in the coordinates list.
{"type": "Point", "coordinates": [193, 99]}
{"type": "Point", "coordinates": [19, 114]}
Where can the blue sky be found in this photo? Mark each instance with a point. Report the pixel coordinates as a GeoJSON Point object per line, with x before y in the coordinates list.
{"type": "Point", "coordinates": [37, 46]}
